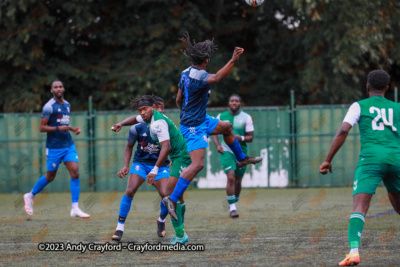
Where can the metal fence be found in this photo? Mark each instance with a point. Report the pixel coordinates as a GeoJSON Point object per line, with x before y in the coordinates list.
{"type": "Point", "coordinates": [293, 142]}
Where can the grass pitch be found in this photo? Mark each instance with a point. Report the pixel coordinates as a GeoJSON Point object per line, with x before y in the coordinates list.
{"type": "Point", "coordinates": [276, 227]}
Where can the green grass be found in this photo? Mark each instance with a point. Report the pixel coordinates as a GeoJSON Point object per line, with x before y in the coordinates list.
{"type": "Point", "coordinates": [276, 227]}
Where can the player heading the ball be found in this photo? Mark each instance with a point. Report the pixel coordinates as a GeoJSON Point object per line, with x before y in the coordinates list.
{"type": "Point", "coordinates": [195, 125]}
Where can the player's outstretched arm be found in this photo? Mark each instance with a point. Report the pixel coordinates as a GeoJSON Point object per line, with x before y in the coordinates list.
{"type": "Point", "coordinates": [127, 122]}
{"type": "Point", "coordinates": [127, 158]}
{"type": "Point", "coordinates": [337, 143]}
{"type": "Point", "coordinates": [217, 144]}
{"type": "Point", "coordinates": [222, 73]}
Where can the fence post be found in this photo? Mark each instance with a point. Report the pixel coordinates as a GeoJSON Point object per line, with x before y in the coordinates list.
{"type": "Point", "coordinates": [293, 142]}
{"type": "Point", "coordinates": [92, 176]}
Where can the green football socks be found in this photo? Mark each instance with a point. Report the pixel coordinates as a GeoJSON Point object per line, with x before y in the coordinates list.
{"type": "Point", "coordinates": [356, 226]}
{"type": "Point", "coordinates": [183, 210]}
{"type": "Point", "coordinates": [178, 225]}
{"type": "Point", "coordinates": [231, 199]}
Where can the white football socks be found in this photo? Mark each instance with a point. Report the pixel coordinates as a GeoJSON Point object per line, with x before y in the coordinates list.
{"type": "Point", "coordinates": [353, 250]}
{"type": "Point", "coordinates": [120, 227]}
{"type": "Point", "coordinates": [30, 195]}
{"type": "Point", "coordinates": [75, 205]}
{"type": "Point", "coordinates": [232, 206]}
{"type": "Point", "coordinates": [161, 220]}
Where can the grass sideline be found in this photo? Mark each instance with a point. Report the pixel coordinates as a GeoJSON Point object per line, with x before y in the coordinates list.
{"type": "Point", "coordinates": [276, 227]}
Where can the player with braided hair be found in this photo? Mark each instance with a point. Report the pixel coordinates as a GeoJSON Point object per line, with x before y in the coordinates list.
{"type": "Point", "coordinates": [170, 142]}
{"type": "Point", "coordinates": [195, 125]}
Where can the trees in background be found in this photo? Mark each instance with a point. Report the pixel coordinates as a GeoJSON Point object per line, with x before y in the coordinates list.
{"type": "Point", "coordinates": [113, 51]}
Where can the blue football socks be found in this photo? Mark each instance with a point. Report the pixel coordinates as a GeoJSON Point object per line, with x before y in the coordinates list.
{"type": "Point", "coordinates": [180, 188]}
{"type": "Point", "coordinates": [164, 210]}
{"type": "Point", "coordinates": [40, 184]}
{"type": "Point", "coordinates": [75, 190]}
{"type": "Point", "coordinates": [237, 150]}
{"type": "Point", "coordinates": [124, 208]}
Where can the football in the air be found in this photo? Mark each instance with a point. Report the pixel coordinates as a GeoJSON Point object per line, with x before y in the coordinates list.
{"type": "Point", "coordinates": [254, 2]}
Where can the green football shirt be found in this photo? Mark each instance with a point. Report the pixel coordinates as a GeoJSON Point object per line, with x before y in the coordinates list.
{"type": "Point", "coordinates": [161, 129]}
{"type": "Point", "coordinates": [241, 123]}
{"type": "Point", "coordinates": [379, 123]}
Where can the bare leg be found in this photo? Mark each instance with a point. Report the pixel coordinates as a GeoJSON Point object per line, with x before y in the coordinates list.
{"type": "Point", "coordinates": [73, 169]}
{"type": "Point", "coordinates": [50, 175]}
{"type": "Point", "coordinates": [197, 157]}
{"type": "Point", "coordinates": [361, 203]}
{"type": "Point", "coordinates": [395, 200]}
{"type": "Point", "coordinates": [238, 186]}
{"type": "Point", "coordinates": [225, 128]}
{"type": "Point", "coordinates": [230, 183]}
{"type": "Point", "coordinates": [134, 182]}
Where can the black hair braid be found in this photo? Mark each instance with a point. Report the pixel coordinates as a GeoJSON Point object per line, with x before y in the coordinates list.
{"type": "Point", "coordinates": [197, 53]}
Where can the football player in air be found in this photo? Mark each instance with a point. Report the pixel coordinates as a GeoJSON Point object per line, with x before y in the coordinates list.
{"type": "Point", "coordinates": [195, 125]}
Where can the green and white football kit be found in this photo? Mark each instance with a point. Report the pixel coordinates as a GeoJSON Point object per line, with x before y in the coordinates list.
{"type": "Point", "coordinates": [241, 124]}
{"type": "Point", "coordinates": [379, 123]}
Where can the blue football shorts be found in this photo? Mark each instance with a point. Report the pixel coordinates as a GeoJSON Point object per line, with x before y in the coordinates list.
{"type": "Point", "coordinates": [196, 137]}
{"type": "Point", "coordinates": [54, 156]}
{"type": "Point", "coordinates": [142, 170]}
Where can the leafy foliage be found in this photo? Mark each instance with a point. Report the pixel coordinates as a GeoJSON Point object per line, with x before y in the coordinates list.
{"type": "Point", "coordinates": [113, 51]}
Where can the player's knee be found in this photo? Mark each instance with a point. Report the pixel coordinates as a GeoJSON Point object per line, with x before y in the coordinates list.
{"type": "Point", "coordinates": [75, 175]}
{"type": "Point", "coordinates": [50, 177]}
{"type": "Point", "coordinates": [228, 127]}
{"type": "Point", "coordinates": [231, 179]}
{"type": "Point", "coordinates": [199, 166]}
{"type": "Point", "coordinates": [163, 192]}
{"type": "Point", "coordinates": [130, 193]}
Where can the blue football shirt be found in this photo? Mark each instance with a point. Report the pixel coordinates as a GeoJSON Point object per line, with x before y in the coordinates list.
{"type": "Point", "coordinates": [147, 151]}
{"type": "Point", "coordinates": [195, 92]}
{"type": "Point", "coordinates": [57, 115]}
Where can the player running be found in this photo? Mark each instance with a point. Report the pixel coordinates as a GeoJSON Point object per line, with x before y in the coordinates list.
{"type": "Point", "coordinates": [170, 140]}
{"type": "Point", "coordinates": [379, 123]}
{"type": "Point", "coordinates": [59, 147]}
{"type": "Point", "coordinates": [244, 130]}
{"type": "Point", "coordinates": [196, 125]}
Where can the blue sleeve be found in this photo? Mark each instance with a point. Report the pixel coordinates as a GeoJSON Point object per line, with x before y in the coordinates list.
{"type": "Point", "coordinates": [203, 77]}
{"type": "Point", "coordinates": [132, 136]}
{"type": "Point", "coordinates": [47, 111]}
{"type": "Point", "coordinates": [182, 82]}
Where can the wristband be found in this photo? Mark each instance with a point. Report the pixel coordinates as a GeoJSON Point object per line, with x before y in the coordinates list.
{"type": "Point", "coordinates": [154, 170]}
{"type": "Point", "coordinates": [243, 138]}
{"type": "Point", "coordinates": [57, 130]}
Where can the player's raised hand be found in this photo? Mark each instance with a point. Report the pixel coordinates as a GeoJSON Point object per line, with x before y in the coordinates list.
{"type": "Point", "coordinates": [76, 130]}
{"type": "Point", "coordinates": [150, 178]}
{"type": "Point", "coordinates": [325, 166]}
{"type": "Point", "coordinates": [116, 127]}
{"type": "Point", "coordinates": [123, 172]}
{"type": "Point", "coordinates": [236, 53]}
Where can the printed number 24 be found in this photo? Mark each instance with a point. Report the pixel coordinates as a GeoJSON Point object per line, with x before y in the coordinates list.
{"type": "Point", "coordinates": [388, 121]}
